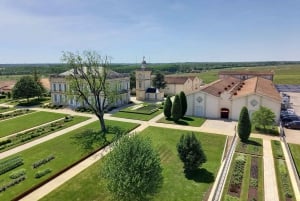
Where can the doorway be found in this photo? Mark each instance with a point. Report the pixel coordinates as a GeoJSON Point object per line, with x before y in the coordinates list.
{"type": "Point", "coordinates": [224, 113]}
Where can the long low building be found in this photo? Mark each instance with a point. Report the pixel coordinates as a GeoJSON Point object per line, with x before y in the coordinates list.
{"type": "Point", "coordinates": [225, 98]}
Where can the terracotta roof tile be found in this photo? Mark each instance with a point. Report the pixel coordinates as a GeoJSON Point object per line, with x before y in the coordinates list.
{"type": "Point", "coordinates": [219, 86]}
{"type": "Point", "coordinates": [246, 72]}
{"type": "Point", "coordinates": [178, 79]}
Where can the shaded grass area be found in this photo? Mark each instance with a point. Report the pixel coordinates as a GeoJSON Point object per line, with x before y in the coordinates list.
{"type": "Point", "coordinates": [27, 121]}
{"type": "Point", "coordinates": [253, 148]}
{"type": "Point", "coordinates": [17, 141]}
{"type": "Point", "coordinates": [295, 149]}
{"type": "Point", "coordinates": [269, 130]}
{"type": "Point", "coordinates": [67, 149]}
{"type": "Point", "coordinates": [88, 185]}
{"type": "Point", "coordinates": [185, 121]}
{"type": "Point", "coordinates": [284, 185]}
{"type": "Point", "coordinates": [143, 117]}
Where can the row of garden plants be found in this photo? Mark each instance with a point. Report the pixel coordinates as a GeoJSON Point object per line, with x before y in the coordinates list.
{"type": "Point", "coordinates": [146, 109]}
{"type": "Point", "coordinates": [284, 184]}
{"type": "Point", "coordinates": [16, 140]}
{"type": "Point", "coordinates": [245, 177]}
{"type": "Point", "coordinates": [68, 149]}
{"type": "Point", "coordinates": [19, 175]}
{"type": "Point", "coordinates": [14, 113]}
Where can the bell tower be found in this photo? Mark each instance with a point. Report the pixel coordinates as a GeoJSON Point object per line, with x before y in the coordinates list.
{"type": "Point", "coordinates": [143, 80]}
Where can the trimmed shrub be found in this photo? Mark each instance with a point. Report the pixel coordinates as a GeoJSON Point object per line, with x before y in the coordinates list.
{"type": "Point", "coordinates": [12, 183]}
{"type": "Point", "coordinates": [168, 107]}
{"type": "Point", "coordinates": [183, 102]}
{"type": "Point", "coordinates": [10, 164]}
{"type": "Point", "coordinates": [244, 125]}
{"type": "Point", "coordinates": [17, 174]}
{"type": "Point", "coordinates": [42, 173]}
{"type": "Point", "coordinates": [43, 161]}
{"type": "Point", "coordinates": [176, 109]}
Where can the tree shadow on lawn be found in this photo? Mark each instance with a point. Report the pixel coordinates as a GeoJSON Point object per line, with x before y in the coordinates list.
{"type": "Point", "coordinates": [254, 143]}
{"type": "Point", "coordinates": [187, 119]}
{"type": "Point", "coordinates": [200, 175]}
{"type": "Point", "coordinates": [90, 139]}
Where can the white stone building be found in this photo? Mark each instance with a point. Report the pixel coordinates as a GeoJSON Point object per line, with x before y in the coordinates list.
{"type": "Point", "coordinates": [225, 98]}
{"type": "Point", "coordinates": [62, 95]}
{"type": "Point", "coordinates": [176, 84]}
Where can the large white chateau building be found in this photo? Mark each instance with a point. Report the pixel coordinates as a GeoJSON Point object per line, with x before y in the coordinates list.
{"type": "Point", "coordinates": [62, 95]}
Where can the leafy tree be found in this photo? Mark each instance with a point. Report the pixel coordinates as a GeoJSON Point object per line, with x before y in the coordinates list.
{"type": "Point", "coordinates": [26, 87]}
{"type": "Point", "coordinates": [89, 80]}
{"type": "Point", "coordinates": [37, 80]}
{"type": "Point", "coordinates": [133, 169]}
{"type": "Point", "coordinates": [190, 152]}
{"type": "Point", "coordinates": [183, 102]}
{"type": "Point", "coordinates": [8, 95]}
{"type": "Point", "coordinates": [168, 107]}
{"type": "Point", "coordinates": [132, 80]}
{"type": "Point", "coordinates": [263, 117]}
{"type": "Point", "coordinates": [244, 125]}
{"type": "Point", "coordinates": [176, 108]}
{"type": "Point", "coordinates": [159, 80]}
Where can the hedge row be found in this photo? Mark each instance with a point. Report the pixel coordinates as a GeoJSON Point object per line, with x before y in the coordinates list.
{"type": "Point", "coordinates": [42, 173]}
{"type": "Point", "coordinates": [12, 183]}
{"type": "Point", "coordinates": [10, 164]}
{"type": "Point", "coordinates": [43, 161]}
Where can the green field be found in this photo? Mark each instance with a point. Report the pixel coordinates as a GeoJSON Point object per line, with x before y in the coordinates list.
{"type": "Point", "coordinates": [89, 186]}
{"type": "Point", "coordinates": [142, 117]}
{"type": "Point", "coordinates": [67, 149]}
{"type": "Point", "coordinates": [185, 121]}
{"type": "Point", "coordinates": [23, 122]}
{"type": "Point", "coordinates": [295, 149]}
{"type": "Point", "coordinates": [284, 74]}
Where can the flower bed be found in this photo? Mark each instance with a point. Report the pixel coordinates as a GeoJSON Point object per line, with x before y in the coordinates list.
{"type": "Point", "coordinates": [14, 114]}
{"type": "Point", "coordinates": [32, 134]}
{"type": "Point", "coordinates": [145, 109]}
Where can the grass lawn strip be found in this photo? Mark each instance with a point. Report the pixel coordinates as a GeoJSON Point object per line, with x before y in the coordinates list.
{"type": "Point", "coordinates": [17, 124]}
{"type": "Point", "coordinates": [245, 191]}
{"type": "Point", "coordinates": [14, 114]}
{"type": "Point", "coordinates": [89, 186]}
{"type": "Point", "coordinates": [67, 149]}
{"type": "Point", "coordinates": [37, 133]}
{"type": "Point", "coordinates": [284, 184]}
{"type": "Point", "coordinates": [6, 109]}
{"type": "Point", "coordinates": [295, 149]}
{"type": "Point", "coordinates": [188, 121]}
{"type": "Point", "coordinates": [142, 117]}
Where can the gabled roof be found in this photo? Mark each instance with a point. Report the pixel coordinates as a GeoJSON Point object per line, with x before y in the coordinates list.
{"type": "Point", "coordinates": [178, 79]}
{"type": "Point", "coordinates": [239, 88]}
{"type": "Point", "coordinates": [110, 73]}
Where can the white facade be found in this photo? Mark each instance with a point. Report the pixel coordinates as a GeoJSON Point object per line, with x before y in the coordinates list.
{"type": "Point", "coordinates": [228, 104]}
{"type": "Point", "coordinates": [177, 84]}
{"type": "Point", "coordinates": [62, 95]}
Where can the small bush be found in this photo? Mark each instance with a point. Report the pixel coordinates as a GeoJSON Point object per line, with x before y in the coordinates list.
{"type": "Point", "coordinates": [12, 183]}
{"type": "Point", "coordinates": [17, 174]}
{"type": "Point", "coordinates": [10, 164]}
{"type": "Point", "coordinates": [43, 161]}
{"type": "Point", "coordinates": [42, 173]}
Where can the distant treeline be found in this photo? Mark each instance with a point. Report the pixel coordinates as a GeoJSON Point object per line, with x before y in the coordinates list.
{"type": "Point", "coordinates": [45, 69]}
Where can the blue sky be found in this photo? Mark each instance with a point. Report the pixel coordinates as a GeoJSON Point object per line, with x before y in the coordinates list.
{"type": "Point", "coordinates": [37, 31]}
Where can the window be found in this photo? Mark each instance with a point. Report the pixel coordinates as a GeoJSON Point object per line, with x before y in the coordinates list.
{"type": "Point", "coordinates": [54, 87]}
{"type": "Point", "coordinates": [55, 98]}
{"type": "Point", "coordinates": [59, 87]}
{"type": "Point", "coordinates": [65, 86]}
{"type": "Point", "coordinates": [140, 84]}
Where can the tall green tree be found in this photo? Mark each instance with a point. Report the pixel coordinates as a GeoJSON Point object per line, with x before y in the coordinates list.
{"type": "Point", "coordinates": [89, 80]}
{"type": "Point", "coordinates": [37, 80]}
{"type": "Point", "coordinates": [244, 125]}
{"type": "Point", "coordinates": [159, 80]}
{"type": "Point", "coordinates": [133, 169]}
{"type": "Point", "coordinates": [263, 117]}
{"type": "Point", "coordinates": [190, 152]}
{"type": "Point", "coordinates": [176, 108]}
{"type": "Point", "coordinates": [168, 107]}
{"type": "Point", "coordinates": [183, 102]}
{"type": "Point", "coordinates": [26, 87]}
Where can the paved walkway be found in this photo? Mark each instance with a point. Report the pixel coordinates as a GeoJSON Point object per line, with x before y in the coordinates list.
{"type": "Point", "coordinates": [270, 184]}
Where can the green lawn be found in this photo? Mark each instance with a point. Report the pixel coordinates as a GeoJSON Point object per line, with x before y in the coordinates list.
{"type": "Point", "coordinates": [142, 117]}
{"type": "Point", "coordinates": [89, 186]}
{"type": "Point", "coordinates": [23, 122]}
{"type": "Point", "coordinates": [6, 109]}
{"type": "Point", "coordinates": [284, 74]}
{"type": "Point", "coordinates": [283, 179]}
{"type": "Point", "coordinates": [18, 140]}
{"type": "Point", "coordinates": [186, 121]}
{"type": "Point", "coordinates": [67, 149]}
{"type": "Point", "coordinates": [295, 149]}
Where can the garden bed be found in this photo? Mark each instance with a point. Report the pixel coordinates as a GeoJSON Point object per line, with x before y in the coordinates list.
{"type": "Point", "coordinates": [146, 109]}
{"type": "Point", "coordinates": [245, 176]}
{"type": "Point", "coordinates": [64, 151]}
{"type": "Point", "coordinates": [14, 113]}
{"type": "Point", "coordinates": [295, 150]}
{"type": "Point", "coordinates": [6, 109]}
{"type": "Point", "coordinates": [284, 184]}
